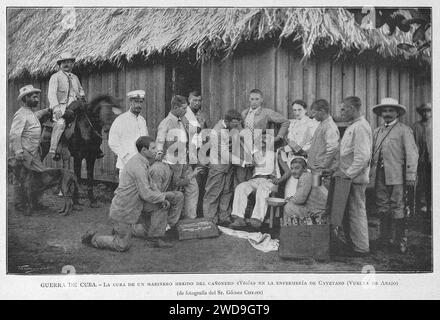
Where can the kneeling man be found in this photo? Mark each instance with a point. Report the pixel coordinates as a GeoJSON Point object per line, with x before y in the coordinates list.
{"type": "Point", "coordinates": [137, 194]}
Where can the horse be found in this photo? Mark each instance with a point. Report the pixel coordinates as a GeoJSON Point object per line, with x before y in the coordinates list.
{"type": "Point", "coordinates": [82, 137]}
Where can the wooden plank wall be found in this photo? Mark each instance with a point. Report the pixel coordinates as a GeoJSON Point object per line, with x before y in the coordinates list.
{"type": "Point", "coordinates": [116, 82]}
{"type": "Point", "coordinates": [278, 72]}
{"type": "Point", "coordinates": [284, 77]}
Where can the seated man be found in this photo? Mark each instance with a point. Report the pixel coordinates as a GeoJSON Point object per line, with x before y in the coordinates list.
{"type": "Point", "coordinates": [265, 178]}
{"type": "Point", "coordinates": [308, 201]}
{"type": "Point", "coordinates": [137, 194]}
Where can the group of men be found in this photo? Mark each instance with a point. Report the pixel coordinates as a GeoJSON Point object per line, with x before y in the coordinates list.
{"type": "Point", "coordinates": [160, 178]}
{"type": "Point", "coordinates": [315, 148]}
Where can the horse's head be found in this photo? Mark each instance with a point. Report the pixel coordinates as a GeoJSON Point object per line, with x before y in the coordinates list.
{"type": "Point", "coordinates": [105, 108]}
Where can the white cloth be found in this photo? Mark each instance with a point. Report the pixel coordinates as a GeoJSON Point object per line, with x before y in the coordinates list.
{"type": "Point", "coordinates": [266, 164]}
{"type": "Point", "coordinates": [259, 241]}
{"type": "Point", "coordinates": [191, 117]}
{"type": "Point", "coordinates": [124, 132]}
{"type": "Point", "coordinates": [290, 188]}
{"type": "Point", "coordinates": [301, 131]}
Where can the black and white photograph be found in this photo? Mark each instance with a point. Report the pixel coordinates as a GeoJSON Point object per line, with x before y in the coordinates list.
{"type": "Point", "coordinates": [218, 140]}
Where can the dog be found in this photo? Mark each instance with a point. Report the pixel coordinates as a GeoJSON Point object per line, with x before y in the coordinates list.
{"type": "Point", "coordinates": [34, 183]}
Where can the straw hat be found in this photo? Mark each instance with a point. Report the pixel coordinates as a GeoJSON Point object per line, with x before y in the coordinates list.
{"type": "Point", "coordinates": [389, 102]}
{"type": "Point", "coordinates": [65, 56]}
{"type": "Point", "coordinates": [27, 90]}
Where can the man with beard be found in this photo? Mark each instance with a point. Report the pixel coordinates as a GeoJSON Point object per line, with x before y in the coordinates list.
{"type": "Point", "coordinates": [395, 159]}
{"type": "Point", "coordinates": [64, 88]}
{"type": "Point", "coordinates": [24, 136]}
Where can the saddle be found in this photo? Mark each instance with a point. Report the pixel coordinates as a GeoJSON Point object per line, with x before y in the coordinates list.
{"type": "Point", "coordinates": [70, 119]}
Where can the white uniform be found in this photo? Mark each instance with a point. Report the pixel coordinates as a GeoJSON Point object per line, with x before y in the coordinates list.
{"type": "Point", "coordinates": [124, 132]}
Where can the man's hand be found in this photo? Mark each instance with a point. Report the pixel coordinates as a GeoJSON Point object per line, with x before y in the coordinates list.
{"type": "Point", "coordinates": [57, 114]}
{"type": "Point", "coordinates": [327, 172]}
{"type": "Point", "coordinates": [198, 170]}
{"type": "Point", "coordinates": [293, 145]}
{"type": "Point", "coordinates": [410, 183]}
{"type": "Point", "coordinates": [166, 204]}
{"type": "Point", "coordinates": [340, 174]}
{"type": "Point", "coordinates": [159, 156]}
{"type": "Point", "coordinates": [19, 156]}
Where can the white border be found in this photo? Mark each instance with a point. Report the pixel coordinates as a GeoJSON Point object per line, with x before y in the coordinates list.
{"type": "Point", "coordinates": [410, 286]}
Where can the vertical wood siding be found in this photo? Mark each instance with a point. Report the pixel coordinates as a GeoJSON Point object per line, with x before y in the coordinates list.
{"type": "Point", "coordinates": [278, 72]}
{"type": "Point", "coordinates": [283, 78]}
{"type": "Point", "coordinates": [117, 83]}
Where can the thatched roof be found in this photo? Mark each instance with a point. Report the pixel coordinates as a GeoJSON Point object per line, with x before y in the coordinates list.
{"type": "Point", "coordinates": [37, 36]}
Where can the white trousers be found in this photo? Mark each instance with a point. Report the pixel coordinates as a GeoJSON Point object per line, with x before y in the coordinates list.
{"type": "Point", "coordinates": [263, 187]}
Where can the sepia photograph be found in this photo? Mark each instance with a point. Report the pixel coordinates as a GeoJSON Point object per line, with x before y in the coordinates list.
{"type": "Point", "coordinates": [218, 140]}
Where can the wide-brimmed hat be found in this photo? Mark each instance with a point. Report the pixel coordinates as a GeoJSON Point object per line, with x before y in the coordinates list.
{"type": "Point", "coordinates": [423, 107]}
{"type": "Point", "coordinates": [65, 56]}
{"type": "Point", "coordinates": [27, 90]}
{"type": "Point", "coordinates": [389, 102]}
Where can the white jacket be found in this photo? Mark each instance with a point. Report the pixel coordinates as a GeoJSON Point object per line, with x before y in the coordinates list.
{"type": "Point", "coordinates": [124, 132]}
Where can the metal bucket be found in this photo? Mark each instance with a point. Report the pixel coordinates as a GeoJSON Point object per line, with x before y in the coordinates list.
{"type": "Point", "coordinates": [316, 179]}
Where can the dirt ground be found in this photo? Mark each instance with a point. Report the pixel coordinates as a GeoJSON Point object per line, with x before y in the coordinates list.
{"type": "Point", "coordinates": [45, 242]}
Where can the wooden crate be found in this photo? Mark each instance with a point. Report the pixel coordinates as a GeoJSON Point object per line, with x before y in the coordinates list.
{"type": "Point", "coordinates": [196, 229]}
{"type": "Point", "coordinates": [305, 241]}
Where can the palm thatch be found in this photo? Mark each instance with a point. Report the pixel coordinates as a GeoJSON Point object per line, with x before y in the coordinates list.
{"type": "Point", "coordinates": [37, 36]}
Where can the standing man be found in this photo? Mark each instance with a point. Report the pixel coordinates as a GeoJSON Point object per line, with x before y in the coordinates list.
{"type": "Point", "coordinates": [127, 128]}
{"type": "Point", "coordinates": [395, 159]}
{"type": "Point", "coordinates": [194, 114]}
{"type": "Point", "coordinates": [137, 194]}
{"type": "Point", "coordinates": [64, 88]}
{"type": "Point", "coordinates": [219, 184]}
{"type": "Point", "coordinates": [423, 136]}
{"type": "Point", "coordinates": [354, 160]}
{"type": "Point", "coordinates": [196, 120]}
{"type": "Point", "coordinates": [24, 136]}
{"type": "Point", "coordinates": [325, 141]}
{"type": "Point", "coordinates": [260, 118]}
{"type": "Point", "coordinates": [172, 146]}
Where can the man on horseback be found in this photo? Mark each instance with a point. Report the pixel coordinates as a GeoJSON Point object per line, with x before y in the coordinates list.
{"type": "Point", "coordinates": [64, 88]}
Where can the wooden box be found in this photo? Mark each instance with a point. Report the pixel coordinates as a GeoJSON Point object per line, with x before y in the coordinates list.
{"type": "Point", "coordinates": [196, 229]}
{"type": "Point", "coordinates": [305, 241]}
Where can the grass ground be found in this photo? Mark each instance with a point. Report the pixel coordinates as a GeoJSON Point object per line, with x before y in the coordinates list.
{"type": "Point", "coordinates": [45, 242]}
